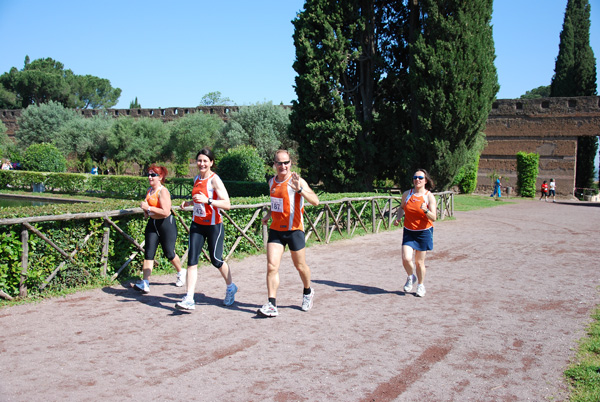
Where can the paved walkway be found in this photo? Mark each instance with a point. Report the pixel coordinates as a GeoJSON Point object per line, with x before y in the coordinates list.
{"type": "Point", "coordinates": [510, 290]}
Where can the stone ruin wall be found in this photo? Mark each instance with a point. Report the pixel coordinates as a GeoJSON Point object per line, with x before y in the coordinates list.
{"type": "Point", "coordinates": [546, 126]}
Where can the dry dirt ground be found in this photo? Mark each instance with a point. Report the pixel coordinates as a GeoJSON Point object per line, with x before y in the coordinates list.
{"type": "Point", "coordinates": [510, 290]}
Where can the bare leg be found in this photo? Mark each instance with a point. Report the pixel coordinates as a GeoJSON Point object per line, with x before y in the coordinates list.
{"type": "Point", "coordinates": [299, 259]}
{"type": "Point", "coordinates": [176, 262]}
{"type": "Point", "coordinates": [407, 260]}
{"type": "Point", "coordinates": [420, 261]}
{"type": "Point", "coordinates": [147, 269]}
{"type": "Point", "coordinates": [226, 273]}
{"type": "Point", "coordinates": [274, 253]}
{"type": "Point", "coordinates": [192, 277]}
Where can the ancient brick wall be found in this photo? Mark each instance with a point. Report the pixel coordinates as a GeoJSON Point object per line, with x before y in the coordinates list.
{"type": "Point", "coordinates": [548, 127]}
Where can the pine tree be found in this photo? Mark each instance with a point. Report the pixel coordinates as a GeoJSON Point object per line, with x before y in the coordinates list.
{"type": "Point", "coordinates": [575, 75]}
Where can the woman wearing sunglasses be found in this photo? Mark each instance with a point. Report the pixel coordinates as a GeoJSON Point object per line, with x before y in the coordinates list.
{"type": "Point", "coordinates": [419, 208]}
{"type": "Point", "coordinates": [161, 227]}
{"type": "Point", "coordinates": [209, 196]}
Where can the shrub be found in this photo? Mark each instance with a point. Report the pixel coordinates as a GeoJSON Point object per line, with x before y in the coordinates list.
{"type": "Point", "coordinates": [44, 158]}
{"type": "Point", "coordinates": [467, 176]}
{"type": "Point", "coordinates": [527, 172]}
{"type": "Point", "coordinates": [242, 163]}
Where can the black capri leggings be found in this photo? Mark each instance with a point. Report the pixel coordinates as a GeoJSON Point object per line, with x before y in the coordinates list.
{"type": "Point", "coordinates": [213, 235]}
{"type": "Point", "coordinates": [163, 231]}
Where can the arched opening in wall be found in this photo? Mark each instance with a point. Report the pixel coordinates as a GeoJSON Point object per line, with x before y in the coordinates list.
{"type": "Point", "coordinates": [212, 111]}
{"type": "Point", "coordinates": [93, 112]}
{"type": "Point", "coordinates": [152, 113]}
{"type": "Point", "coordinates": [82, 113]}
{"type": "Point", "coordinates": [545, 105]}
{"type": "Point", "coordinates": [128, 112]}
{"type": "Point", "coordinates": [572, 103]}
{"type": "Point", "coordinates": [495, 105]}
{"type": "Point", "coordinates": [519, 106]}
{"type": "Point", "coordinates": [139, 111]}
{"type": "Point", "coordinates": [187, 111]}
{"type": "Point", "coordinates": [226, 110]}
{"type": "Point", "coordinates": [586, 165]}
{"type": "Point", "coordinates": [176, 111]}
{"type": "Point", "coordinates": [116, 112]}
{"type": "Point", "coordinates": [162, 112]}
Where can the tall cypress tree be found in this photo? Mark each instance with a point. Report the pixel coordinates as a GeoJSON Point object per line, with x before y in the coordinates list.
{"type": "Point", "coordinates": [575, 75]}
{"type": "Point", "coordinates": [453, 84]}
{"type": "Point", "coordinates": [331, 120]}
{"type": "Point", "coordinates": [388, 86]}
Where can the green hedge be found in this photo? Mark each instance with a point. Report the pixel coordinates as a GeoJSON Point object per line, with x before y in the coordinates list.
{"type": "Point", "coordinates": [527, 172]}
{"type": "Point", "coordinates": [114, 186]}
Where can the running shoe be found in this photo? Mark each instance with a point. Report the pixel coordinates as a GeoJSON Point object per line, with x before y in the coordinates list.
{"type": "Point", "coordinates": [268, 310]}
{"type": "Point", "coordinates": [142, 286]}
{"type": "Point", "coordinates": [307, 300]}
{"type": "Point", "coordinates": [420, 290]}
{"type": "Point", "coordinates": [186, 304]}
{"type": "Point", "coordinates": [409, 283]}
{"type": "Point", "coordinates": [230, 295]}
{"type": "Point", "coordinates": [181, 278]}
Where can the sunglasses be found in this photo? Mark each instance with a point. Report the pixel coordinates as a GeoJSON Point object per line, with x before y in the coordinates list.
{"type": "Point", "coordinates": [282, 163]}
{"type": "Point", "coordinates": [418, 177]}
{"type": "Point", "coordinates": [153, 174]}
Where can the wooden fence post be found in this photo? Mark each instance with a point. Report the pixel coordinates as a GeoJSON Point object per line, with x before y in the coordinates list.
{"type": "Point", "coordinates": [105, 246]}
{"type": "Point", "coordinates": [24, 261]}
{"type": "Point", "coordinates": [348, 211]}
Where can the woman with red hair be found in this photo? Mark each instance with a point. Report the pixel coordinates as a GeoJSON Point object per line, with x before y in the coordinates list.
{"type": "Point", "coordinates": [161, 227]}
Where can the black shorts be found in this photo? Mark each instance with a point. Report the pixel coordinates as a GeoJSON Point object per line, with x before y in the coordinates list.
{"type": "Point", "coordinates": [213, 234]}
{"type": "Point", "coordinates": [552, 192]}
{"type": "Point", "coordinates": [163, 231]}
{"type": "Point", "coordinates": [293, 238]}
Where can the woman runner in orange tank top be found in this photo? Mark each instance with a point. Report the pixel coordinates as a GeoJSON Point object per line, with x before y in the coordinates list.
{"type": "Point", "coordinates": [419, 209]}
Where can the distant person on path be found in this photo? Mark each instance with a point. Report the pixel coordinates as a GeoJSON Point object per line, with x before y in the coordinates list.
{"type": "Point", "coordinates": [209, 196]}
{"type": "Point", "coordinates": [553, 189]}
{"type": "Point", "coordinates": [7, 165]}
{"type": "Point", "coordinates": [288, 192]}
{"type": "Point", "coordinates": [94, 170]}
{"type": "Point", "coordinates": [420, 211]}
{"type": "Point", "coordinates": [161, 227]}
{"type": "Point", "coordinates": [497, 188]}
{"type": "Point", "coordinates": [544, 191]}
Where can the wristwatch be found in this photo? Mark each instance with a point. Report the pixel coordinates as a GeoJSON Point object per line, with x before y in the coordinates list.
{"type": "Point", "coordinates": [299, 191]}
{"type": "Point", "coordinates": [209, 201]}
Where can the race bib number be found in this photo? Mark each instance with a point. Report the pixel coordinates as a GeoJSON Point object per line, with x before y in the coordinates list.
{"type": "Point", "coordinates": [276, 204]}
{"type": "Point", "coordinates": [199, 210]}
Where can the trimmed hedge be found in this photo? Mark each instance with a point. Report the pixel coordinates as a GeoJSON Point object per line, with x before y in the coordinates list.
{"type": "Point", "coordinates": [527, 173]}
{"type": "Point", "coordinates": [113, 186]}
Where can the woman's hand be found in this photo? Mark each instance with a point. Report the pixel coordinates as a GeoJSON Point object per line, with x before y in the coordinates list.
{"type": "Point", "coordinates": [200, 198]}
{"type": "Point", "coordinates": [144, 205]}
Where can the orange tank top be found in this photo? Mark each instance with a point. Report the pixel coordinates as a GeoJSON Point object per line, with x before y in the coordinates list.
{"type": "Point", "coordinates": [287, 206]}
{"type": "Point", "coordinates": [205, 214]}
{"type": "Point", "coordinates": [414, 216]}
{"type": "Point", "coordinates": [153, 198]}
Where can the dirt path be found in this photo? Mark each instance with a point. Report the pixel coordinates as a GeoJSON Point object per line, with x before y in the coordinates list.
{"type": "Point", "coordinates": [509, 291]}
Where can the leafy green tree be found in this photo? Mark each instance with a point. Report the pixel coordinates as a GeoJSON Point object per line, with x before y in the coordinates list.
{"type": "Point", "coordinates": [84, 137]}
{"type": "Point", "coordinates": [575, 75]}
{"type": "Point", "coordinates": [91, 92]}
{"type": "Point", "coordinates": [134, 104]}
{"type": "Point", "coordinates": [45, 80]}
{"type": "Point", "coordinates": [41, 123]}
{"type": "Point", "coordinates": [536, 93]}
{"type": "Point", "coordinates": [44, 158]}
{"type": "Point", "coordinates": [263, 126]}
{"type": "Point", "coordinates": [191, 133]}
{"type": "Point", "coordinates": [215, 99]}
{"type": "Point", "coordinates": [142, 141]}
{"type": "Point", "coordinates": [8, 99]}
{"type": "Point", "coordinates": [4, 140]}
{"type": "Point", "coordinates": [241, 163]}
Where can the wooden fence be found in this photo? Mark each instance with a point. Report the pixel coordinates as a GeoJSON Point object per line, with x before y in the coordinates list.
{"type": "Point", "coordinates": [343, 216]}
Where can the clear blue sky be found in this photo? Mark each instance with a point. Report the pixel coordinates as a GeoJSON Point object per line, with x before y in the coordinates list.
{"type": "Point", "coordinates": [170, 54]}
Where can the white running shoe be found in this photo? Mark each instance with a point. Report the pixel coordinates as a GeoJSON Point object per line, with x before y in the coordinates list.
{"type": "Point", "coordinates": [268, 310]}
{"type": "Point", "coordinates": [420, 290]}
{"type": "Point", "coordinates": [307, 300]}
{"type": "Point", "coordinates": [230, 295]}
{"type": "Point", "coordinates": [142, 286]}
{"type": "Point", "coordinates": [186, 304]}
{"type": "Point", "coordinates": [181, 278]}
{"type": "Point", "coordinates": [409, 283]}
